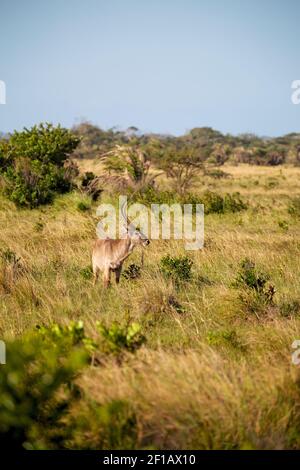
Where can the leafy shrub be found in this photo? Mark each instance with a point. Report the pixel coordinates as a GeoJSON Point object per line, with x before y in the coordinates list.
{"type": "Point", "coordinates": [283, 225]}
{"type": "Point", "coordinates": [213, 203]}
{"type": "Point", "coordinates": [294, 207]}
{"type": "Point", "coordinates": [39, 393]}
{"type": "Point", "coordinates": [233, 203]}
{"type": "Point", "coordinates": [36, 393]}
{"type": "Point", "coordinates": [67, 336]}
{"type": "Point", "coordinates": [83, 206]}
{"type": "Point", "coordinates": [117, 339]}
{"type": "Point", "coordinates": [34, 164]}
{"type": "Point", "coordinates": [112, 425]}
{"type": "Point", "coordinates": [258, 293]}
{"type": "Point", "coordinates": [114, 339]}
{"type": "Point", "coordinates": [45, 143]}
{"type": "Point", "coordinates": [151, 195]}
{"type": "Point", "coordinates": [87, 272]}
{"type": "Point", "coordinates": [178, 269]}
{"type": "Point", "coordinates": [250, 277]}
{"type": "Point", "coordinates": [30, 184]}
{"type": "Point", "coordinates": [132, 272]}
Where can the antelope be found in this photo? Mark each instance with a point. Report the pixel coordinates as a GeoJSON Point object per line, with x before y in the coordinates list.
{"type": "Point", "coordinates": [109, 254]}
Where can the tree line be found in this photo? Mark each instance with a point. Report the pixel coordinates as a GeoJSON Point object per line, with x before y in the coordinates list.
{"type": "Point", "coordinates": [38, 163]}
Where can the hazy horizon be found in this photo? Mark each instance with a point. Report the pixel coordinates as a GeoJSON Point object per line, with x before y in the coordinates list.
{"type": "Point", "coordinates": [149, 132]}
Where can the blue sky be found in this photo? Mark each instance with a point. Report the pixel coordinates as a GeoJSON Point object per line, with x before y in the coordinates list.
{"type": "Point", "coordinates": [161, 65]}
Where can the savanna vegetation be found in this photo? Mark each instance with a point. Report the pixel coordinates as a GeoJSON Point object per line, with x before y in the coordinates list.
{"type": "Point", "coordinates": [191, 349]}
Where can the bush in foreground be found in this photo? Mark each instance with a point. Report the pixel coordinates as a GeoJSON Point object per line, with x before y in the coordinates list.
{"type": "Point", "coordinates": [36, 392]}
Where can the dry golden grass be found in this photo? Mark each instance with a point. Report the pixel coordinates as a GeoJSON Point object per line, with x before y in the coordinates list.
{"type": "Point", "coordinates": [199, 399]}
{"type": "Point", "coordinates": [188, 390]}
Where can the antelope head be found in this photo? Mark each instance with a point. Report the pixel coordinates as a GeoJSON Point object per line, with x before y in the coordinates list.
{"type": "Point", "coordinates": [136, 236]}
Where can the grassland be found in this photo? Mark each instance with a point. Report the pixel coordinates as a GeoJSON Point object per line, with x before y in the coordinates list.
{"type": "Point", "coordinates": [216, 369]}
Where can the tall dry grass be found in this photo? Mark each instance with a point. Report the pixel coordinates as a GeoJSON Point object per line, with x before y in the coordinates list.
{"type": "Point", "coordinates": [212, 374]}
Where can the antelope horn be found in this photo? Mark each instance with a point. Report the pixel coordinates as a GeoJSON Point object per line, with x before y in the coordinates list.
{"type": "Point", "coordinates": [125, 217]}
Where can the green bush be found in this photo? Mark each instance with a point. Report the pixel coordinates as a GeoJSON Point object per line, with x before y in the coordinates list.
{"type": "Point", "coordinates": [113, 339]}
{"type": "Point", "coordinates": [36, 392]}
{"type": "Point", "coordinates": [67, 336]}
{"type": "Point", "coordinates": [151, 195]}
{"type": "Point", "coordinates": [213, 202]}
{"type": "Point", "coordinates": [117, 339]}
{"type": "Point", "coordinates": [30, 184]}
{"type": "Point", "coordinates": [283, 225]}
{"type": "Point", "coordinates": [216, 204]}
{"type": "Point", "coordinates": [257, 293]}
{"type": "Point", "coordinates": [45, 143]}
{"type": "Point", "coordinates": [233, 203]}
{"type": "Point", "coordinates": [40, 399]}
{"type": "Point", "coordinates": [178, 269]}
{"type": "Point", "coordinates": [83, 206]}
{"type": "Point", "coordinates": [33, 164]}
{"type": "Point", "coordinates": [132, 272]}
{"type": "Point", "coordinates": [108, 426]}
{"type": "Point", "coordinates": [87, 272]}
{"type": "Point", "coordinates": [250, 277]}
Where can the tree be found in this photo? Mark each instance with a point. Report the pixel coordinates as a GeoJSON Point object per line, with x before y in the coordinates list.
{"type": "Point", "coordinates": [182, 164]}
{"type": "Point", "coordinates": [268, 155]}
{"type": "Point", "coordinates": [94, 141]}
{"type": "Point", "coordinates": [131, 163]}
{"type": "Point", "coordinates": [220, 154]}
